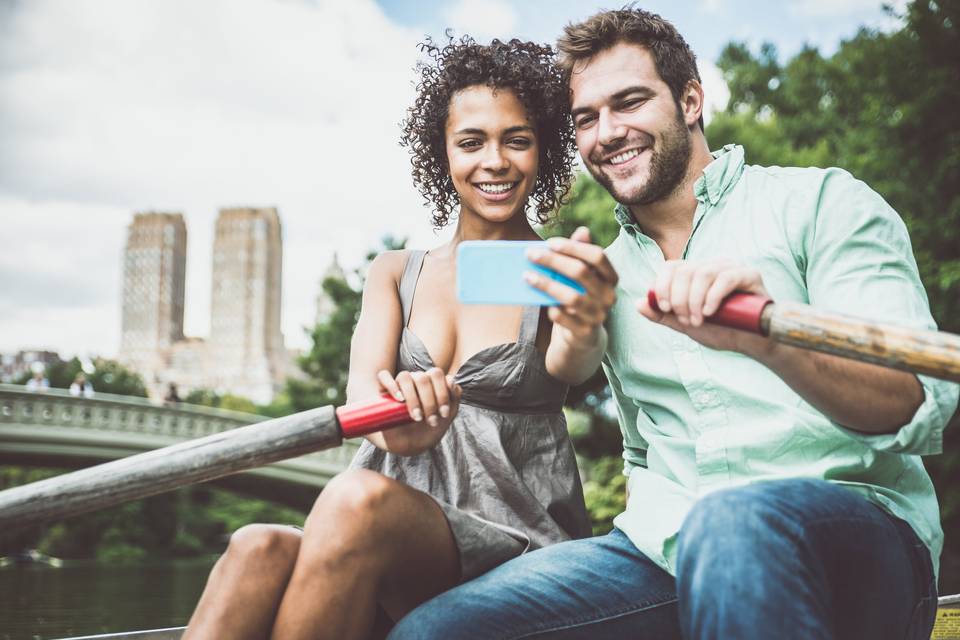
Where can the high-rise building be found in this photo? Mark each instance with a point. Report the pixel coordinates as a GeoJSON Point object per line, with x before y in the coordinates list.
{"type": "Point", "coordinates": [245, 348]}
{"type": "Point", "coordinates": [154, 275]}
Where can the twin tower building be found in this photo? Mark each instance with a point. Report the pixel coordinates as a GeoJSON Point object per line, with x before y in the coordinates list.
{"type": "Point", "coordinates": [245, 353]}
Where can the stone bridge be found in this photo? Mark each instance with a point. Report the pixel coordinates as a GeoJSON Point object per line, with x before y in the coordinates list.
{"type": "Point", "coordinates": [55, 429]}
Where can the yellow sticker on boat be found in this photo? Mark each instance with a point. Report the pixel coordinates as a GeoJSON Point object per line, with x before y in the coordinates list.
{"type": "Point", "coordinates": [947, 624]}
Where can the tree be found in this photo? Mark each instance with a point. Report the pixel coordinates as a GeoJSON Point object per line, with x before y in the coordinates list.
{"type": "Point", "coordinates": [327, 364]}
{"type": "Point", "coordinates": [109, 376]}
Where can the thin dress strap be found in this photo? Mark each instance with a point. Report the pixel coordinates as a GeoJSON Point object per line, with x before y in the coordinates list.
{"type": "Point", "coordinates": [408, 282]}
{"type": "Point", "coordinates": [529, 324]}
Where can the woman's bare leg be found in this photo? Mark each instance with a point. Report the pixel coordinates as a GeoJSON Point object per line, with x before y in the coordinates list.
{"type": "Point", "coordinates": [368, 539]}
{"type": "Point", "coordinates": [246, 585]}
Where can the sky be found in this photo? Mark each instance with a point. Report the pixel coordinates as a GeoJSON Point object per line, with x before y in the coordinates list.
{"type": "Point", "coordinates": [111, 107]}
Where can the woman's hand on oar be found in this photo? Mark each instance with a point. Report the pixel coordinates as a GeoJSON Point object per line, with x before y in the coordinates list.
{"type": "Point", "coordinates": [432, 400]}
{"type": "Point", "coordinates": [688, 293]}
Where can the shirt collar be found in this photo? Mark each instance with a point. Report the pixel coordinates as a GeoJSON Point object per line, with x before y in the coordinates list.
{"type": "Point", "coordinates": [718, 177]}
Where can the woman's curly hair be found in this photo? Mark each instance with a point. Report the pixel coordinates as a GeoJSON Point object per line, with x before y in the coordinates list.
{"type": "Point", "coordinates": [525, 68]}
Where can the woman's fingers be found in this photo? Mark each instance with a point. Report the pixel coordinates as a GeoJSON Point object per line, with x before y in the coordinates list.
{"type": "Point", "coordinates": [440, 391]}
{"type": "Point", "coordinates": [409, 391]}
{"type": "Point", "coordinates": [389, 385]}
{"type": "Point", "coordinates": [428, 400]}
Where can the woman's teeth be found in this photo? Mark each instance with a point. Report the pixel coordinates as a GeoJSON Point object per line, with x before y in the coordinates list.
{"type": "Point", "coordinates": [620, 158]}
{"type": "Point", "coordinates": [496, 188]}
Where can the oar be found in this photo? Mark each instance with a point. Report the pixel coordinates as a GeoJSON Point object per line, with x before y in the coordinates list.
{"type": "Point", "coordinates": [194, 461]}
{"type": "Point", "coordinates": [934, 353]}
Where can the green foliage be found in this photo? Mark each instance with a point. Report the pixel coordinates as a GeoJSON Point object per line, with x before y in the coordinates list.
{"type": "Point", "coordinates": [884, 107]}
{"type": "Point", "coordinates": [605, 491]}
{"type": "Point", "coordinates": [327, 363]}
{"type": "Point", "coordinates": [112, 377]}
{"type": "Point", "coordinates": [203, 397]}
{"type": "Point", "coordinates": [589, 206]}
{"type": "Point", "coordinates": [109, 376]}
{"type": "Point", "coordinates": [237, 403]}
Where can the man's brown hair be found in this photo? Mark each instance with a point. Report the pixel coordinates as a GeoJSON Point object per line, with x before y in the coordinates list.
{"type": "Point", "coordinates": [673, 57]}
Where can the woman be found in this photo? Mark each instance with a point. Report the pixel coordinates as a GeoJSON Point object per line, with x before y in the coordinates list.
{"type": "Point", "coordinates": [486, 470]}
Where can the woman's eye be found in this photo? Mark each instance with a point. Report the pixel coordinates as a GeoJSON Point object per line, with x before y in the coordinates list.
{"type": "Point", "coordinates": [520, 142]}
{"type": "Point", "coordinates": [469, 144]}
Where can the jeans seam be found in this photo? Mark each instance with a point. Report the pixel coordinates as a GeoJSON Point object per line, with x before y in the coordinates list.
{"type": "Point", "coordinates": [592, 620]}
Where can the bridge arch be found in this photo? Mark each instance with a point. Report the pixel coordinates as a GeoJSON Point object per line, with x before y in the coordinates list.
{"type": "Point", "coordinates": [55, 429]}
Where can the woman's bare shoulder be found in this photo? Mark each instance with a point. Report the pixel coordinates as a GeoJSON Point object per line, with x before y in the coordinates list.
{"type": "Point", "coordinates": [388, 266]}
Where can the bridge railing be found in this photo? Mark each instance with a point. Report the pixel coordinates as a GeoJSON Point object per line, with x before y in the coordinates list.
{"type": "Point", "coordinates": [129, 425]}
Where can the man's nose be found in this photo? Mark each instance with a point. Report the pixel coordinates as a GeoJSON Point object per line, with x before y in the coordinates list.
{"type": "Point", "coordinates": [609, 129]}
{"type": "Point", "coordinates": [494, 159]}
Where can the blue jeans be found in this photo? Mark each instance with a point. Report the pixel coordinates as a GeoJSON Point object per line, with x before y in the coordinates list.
{"type": "Point", "coordinates": [781, 559]}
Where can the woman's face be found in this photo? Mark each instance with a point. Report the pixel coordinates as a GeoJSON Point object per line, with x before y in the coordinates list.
{"type": "Point", "coordinates": [492, 152]}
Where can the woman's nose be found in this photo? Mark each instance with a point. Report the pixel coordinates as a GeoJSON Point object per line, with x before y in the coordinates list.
{"type": "Point", "coordinates": [494, 159]}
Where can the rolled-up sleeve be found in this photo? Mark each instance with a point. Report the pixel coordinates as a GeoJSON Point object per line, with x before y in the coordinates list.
{"type": "Point", "coordinates": [859, 261]}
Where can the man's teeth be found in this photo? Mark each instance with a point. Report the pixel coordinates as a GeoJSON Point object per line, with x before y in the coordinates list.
{"type": "Point", "coordinates": [623, 157]}
{"type": "Point", "coordinates": [496, 188]}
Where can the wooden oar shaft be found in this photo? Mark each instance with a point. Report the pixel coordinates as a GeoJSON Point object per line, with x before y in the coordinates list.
{"type": "Point", "coordinates": [934, 353]}
{"type": "Point", "coordinates": [160, 470]}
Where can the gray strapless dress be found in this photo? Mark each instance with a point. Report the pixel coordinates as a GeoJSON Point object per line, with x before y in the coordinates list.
{"type": "Point", "coordinates": [505, 473]}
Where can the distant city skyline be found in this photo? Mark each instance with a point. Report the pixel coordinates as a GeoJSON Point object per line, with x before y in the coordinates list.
{"type": "Point", "coordinates": [109, 107]}
{"type": "Point", "coordinates": [244, 353]}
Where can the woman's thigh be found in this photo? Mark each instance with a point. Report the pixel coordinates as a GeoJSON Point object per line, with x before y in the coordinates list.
{"type": "Point", "coordinates": [594, 588]}
{"type": "Point", "coordinates": [381, 527]}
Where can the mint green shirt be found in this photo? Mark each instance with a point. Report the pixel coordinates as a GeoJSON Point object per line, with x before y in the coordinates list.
{"type": "Point", "coordinates": [696, 420]}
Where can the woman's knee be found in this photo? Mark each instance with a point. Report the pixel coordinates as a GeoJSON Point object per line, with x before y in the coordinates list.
{"type": "Point", "coordinates": [264, 544]}
{"type": "Point", "coordinates": [353, 499]}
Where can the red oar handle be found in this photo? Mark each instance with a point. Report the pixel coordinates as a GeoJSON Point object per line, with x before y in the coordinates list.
{"type": "Point", "coordinates": [737, 311]}
{"type": "Point", "coordinates": [361, 418]}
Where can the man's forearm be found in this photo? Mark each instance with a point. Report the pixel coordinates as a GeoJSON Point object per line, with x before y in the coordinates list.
{"type": "Point", "coordinates": [864, 397]}
{"type": "Point", "coordinates": [574, 360]}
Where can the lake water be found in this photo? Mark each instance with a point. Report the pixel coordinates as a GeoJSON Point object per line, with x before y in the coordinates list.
{"type": "Point", "coordinates": [83, 598]}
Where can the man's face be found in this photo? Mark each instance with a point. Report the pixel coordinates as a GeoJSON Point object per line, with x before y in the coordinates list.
{"type": "Point", "coordinates": [630, 131]}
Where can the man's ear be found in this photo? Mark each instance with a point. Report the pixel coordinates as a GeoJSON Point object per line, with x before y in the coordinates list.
{"type": "Point", "coordinates": [691, 103]}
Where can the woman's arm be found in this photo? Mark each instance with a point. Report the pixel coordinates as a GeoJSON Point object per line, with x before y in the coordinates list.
{"type": "Point", "coordinates": [373, 365]}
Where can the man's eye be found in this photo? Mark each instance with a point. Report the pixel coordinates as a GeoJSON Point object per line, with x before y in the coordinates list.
{"type": "Point", "coordinates": [632, 104]}
{"type": "Point", "coordinates": [584, 121]}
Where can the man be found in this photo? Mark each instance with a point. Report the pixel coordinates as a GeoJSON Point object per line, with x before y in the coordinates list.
{"type": "Point", "coordinates": [773, 493]}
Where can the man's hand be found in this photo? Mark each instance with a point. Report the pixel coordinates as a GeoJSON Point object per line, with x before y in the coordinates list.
{"type": "Point", "coordinates": [580, 315]}
{"type": "Point", "coordinates": [578, 339]}
{"type": "Point", "coordinates": [690, 292]}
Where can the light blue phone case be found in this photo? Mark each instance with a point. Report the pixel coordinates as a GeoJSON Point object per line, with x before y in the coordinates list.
{"type": "Point", "coordinates": [491, 272]}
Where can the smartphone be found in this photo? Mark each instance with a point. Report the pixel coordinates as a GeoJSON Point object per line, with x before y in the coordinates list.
{"type": "Point", "coordinates": [491, 272]}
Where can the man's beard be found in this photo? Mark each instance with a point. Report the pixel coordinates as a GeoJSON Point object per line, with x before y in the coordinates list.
{"type": "Point", "coordinates": [668, 167]}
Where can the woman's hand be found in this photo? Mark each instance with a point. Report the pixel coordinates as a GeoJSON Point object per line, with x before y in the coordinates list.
{"type": "Point", "coordinates": [432, 400]}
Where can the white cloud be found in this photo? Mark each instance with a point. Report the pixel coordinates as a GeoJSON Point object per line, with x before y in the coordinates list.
{"type": "Point", "coordinates": [109, 107]}
{"type": "Point", "coordinates": [711, 6]}
{"type": "Point", "coordinates": [833, 8]}
{"type": "Point", "coordinates": [716, 92]}
{"type": "Point", "coordinates": [482, 19]}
